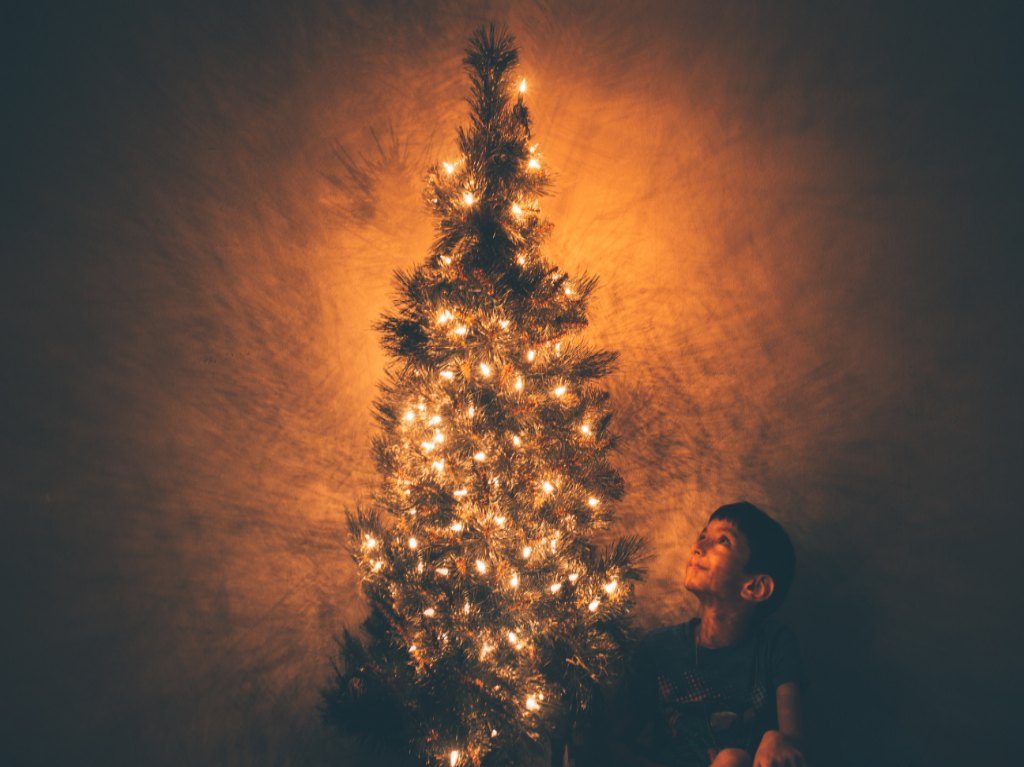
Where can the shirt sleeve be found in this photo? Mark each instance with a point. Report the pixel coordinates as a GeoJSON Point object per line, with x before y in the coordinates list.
{"type": "Point", "coordinates": [786, 665]}
{"type": "Point", "coordinates": [634, 704]}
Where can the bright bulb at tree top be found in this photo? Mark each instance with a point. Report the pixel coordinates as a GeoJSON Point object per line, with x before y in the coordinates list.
{"type": "Point", "coordinates": [522, 85]}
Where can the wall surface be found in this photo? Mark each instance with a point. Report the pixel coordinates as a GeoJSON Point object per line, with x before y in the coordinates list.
{"type": "Point", "coordinates": [807, 221]}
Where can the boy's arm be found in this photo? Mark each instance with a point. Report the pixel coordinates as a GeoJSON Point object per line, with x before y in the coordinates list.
{"type": "Point", "coordinates": [782, 747]}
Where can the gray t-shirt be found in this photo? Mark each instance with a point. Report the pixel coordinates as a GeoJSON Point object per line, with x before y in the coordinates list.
{"type": "Point", "coordinates": [686, 704]}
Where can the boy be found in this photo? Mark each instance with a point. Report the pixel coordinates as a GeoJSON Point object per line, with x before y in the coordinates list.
{"type": "Point", "coordinates": [721, 689]}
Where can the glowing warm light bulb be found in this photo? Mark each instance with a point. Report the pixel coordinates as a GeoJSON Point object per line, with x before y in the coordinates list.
{"type": "Point", "coordinates": [555, 588]}
{"type": "Point", "coordinates": [481, 566]}
{"type": "Point", "coordinates": [594, 605]}
{"type": "Point", "coordinates": [504, 324]}
{"type": "Point", "coordinates": [585, 428]}
{"type": "Point", "coordinates": [531, 355]}
{"type": "Point", "coordinates": [485, 369]}
{"type": "Point", "coordinates": [534, 163]}
{"type": "Point", "coordinates": [533, 148]}
{"type": "Point", "coordinates": [522, 85]}
{"type": "Point", "coordinates": [494, 733]}
{"type": "Point", "coordinates": [521, 259]}
{"type": "Point", "coordinates": [428, 446]}
{"type": "Point", "coordinates": [468, 198]}
{"type": "Point", "coordinates": [430, 612]}
{"type": "Point", "coordinates": [413, 543]}
{"type": "Point", "coordinates": [447, 375]}
{"type": "Point", "coordinates": [531, 703]}
{"type": "Point", "coordinates": [471, 412]}
{"type": "Point", "coordinates": [453, 757]}
{"type": "Point", "coordinates": [438, 436]}
{"type": "Point", "coordinates": [409, 415]}
{"type": "Point", "coordinates": [485, 650]}
{"type": "Point", "coordinates": [442, 571]}
{"type": "Point", "coordinates": [499, 521]}
{"type": "Point", "coordinates": [516, 210]}
{"type": "Point", "coordinates": [527, 551]}
{"type": "Point", "coordinates": [457, 527]}
{"type": "Point", "coordinates": [593, 502]}
{"type": "Point", "coordinates": [465, 607]}
{"type": "Point", "coordinates": [516, 441]}
{"type": "Point", "coordinates": [573, 577]}
{"type": "Point", "coordinates": [519, 383]}
{"type": "Point", "coordinates": [448, 167]}
{"type": "Point", "coordinates": [461, 330]}
{"type": "Point", "coordinates": [434, 420]}
{"type": "Point", "coordinates": [377, 565]}
{"type": "Point", "coordinates": [514, 581]}
{"type": "Point", "coordinates": [548, 487]}
{"type": "Point", "coordinates": [480, 456]}
{"type": "Point", "coordinates": [444, 316]}
{"type": "Point", "coordinates": [412, 648]}
{"type": "Point", "coordinates": [370, 542]}
{"type": "Point", "coordinates": [438, 465]}
{"type": "Point", "coordinates": [611, 586]}
{"type": "Point", "coordinates": [559, 391]}
{"type": "Point", "coordinates": [461, 492]}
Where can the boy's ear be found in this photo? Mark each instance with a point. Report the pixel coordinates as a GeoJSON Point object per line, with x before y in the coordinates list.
{"type": "Point", "coordinates": [758, 588]}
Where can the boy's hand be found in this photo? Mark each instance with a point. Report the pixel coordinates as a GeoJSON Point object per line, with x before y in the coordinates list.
{"type": "Point", "coordinates": [776, 750]}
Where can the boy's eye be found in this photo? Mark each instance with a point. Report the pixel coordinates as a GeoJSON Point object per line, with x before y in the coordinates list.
{"type": "Point", "coordinates": [725, 540]}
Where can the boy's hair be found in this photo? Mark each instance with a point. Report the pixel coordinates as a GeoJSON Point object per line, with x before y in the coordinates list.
{"type": "Point", "coordinates": [771, 550]}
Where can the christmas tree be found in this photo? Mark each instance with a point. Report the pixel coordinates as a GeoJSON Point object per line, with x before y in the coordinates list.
{"type": "Point", "coordinates": [494, 614]}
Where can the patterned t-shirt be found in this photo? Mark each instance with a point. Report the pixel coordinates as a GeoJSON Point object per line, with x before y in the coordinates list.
{"type": "Point", "coordinates": [689, 703]}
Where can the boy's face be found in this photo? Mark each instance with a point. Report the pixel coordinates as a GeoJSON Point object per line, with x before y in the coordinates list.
{"type": "Point", "coordinates": [717, 562]}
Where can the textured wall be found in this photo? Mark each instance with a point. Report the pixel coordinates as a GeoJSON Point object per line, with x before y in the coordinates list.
{"type": "Point", "coordinates": [806, 220]}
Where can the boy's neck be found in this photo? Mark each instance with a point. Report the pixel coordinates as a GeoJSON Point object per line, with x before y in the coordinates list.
{"type": "Point", "coordinates": [723, 624]}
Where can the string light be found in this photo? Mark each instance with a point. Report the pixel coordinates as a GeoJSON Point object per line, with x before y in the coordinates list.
{"type": "Point", "coordinates": [519, 383]}
{"type": "Point", "coordinates": [457, 527]}
{"type": "Point", "coordinates": [434, 420]}
{"type": "Point", "coordinates": [593, 502]}
{"type": "Point", "coordinates": [610, 587]}
{"type": "Point", "coordinates": [377, 565]}
{"type": "Point", "coordinates": [428, 446]}
{"type": "Point", "coordinates": [485, 370]}
{"type": "Point", "coordinates": [531, 355]}
{"type": "Point", "coordinates": [442, 571]}
{"type": "Point", "coordinates": [461, 330]}
{"type": "Point", "coordinates": [548, 487]}
{"type": "Point", "coordinates": [480, 456]}
{"type": "Point", "coordinates": [527, 551]}
{"type": "Point", "coordinates": [594, 605]}
{"type": "Point", "coordinates": [413, 543]}
{"type": "Point", "coordinates": [573, 577]}
{"type": "Point", "coordinates": [409, 415]}
{"type": "Point", "coordinates": [370, 542]}
{"type": "Point", "coordinates": [522, 85]}
{"type": "Point", "coordinates": [516, 210]}
{"type": "Point", "coordinates": [585, 428]}
{"type": "Point", "coordinates": [449, 168]}
{"type": "Point", "coordinates": [438, 465]}
{"type": "Point", "coordinates": [516, 440]}
{"type": "Point", "coordinates": [471, 412]}
{"type": "Point", "coordinates": [559, 391]}
{"type": "Point", "coordinates": [444, 316]}
{"type": "Point", "coordinates": [481, 566]}
{"type": "Point", "coordinates": [430, 612]}
{"type": "Point", "coordinates": [461, 492]}
{"type": "Point", "coordinates": [532, 704]}
{"type": "Point", "coordinates": [514, 581]}
{"type": "Point", "coordinates": [447, 375]}
{"type": "Point", "coordinates": [555, 588]}
{"type": "Point", "coordinates": [533, 164]}
{"type": "Point", "coordinates": [468, 198]}
{"type": "Point", "coordinates": [499, 521]}
{"type": "Point", "coordinates": [453, 757]}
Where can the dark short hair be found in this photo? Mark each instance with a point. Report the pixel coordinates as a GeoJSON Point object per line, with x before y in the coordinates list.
{"type": "Point", "coordinates": [771, 550]}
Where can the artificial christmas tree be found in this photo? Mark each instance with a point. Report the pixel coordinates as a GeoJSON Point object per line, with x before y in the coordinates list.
{"type": "Point", "coordinates": [494, 615]}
